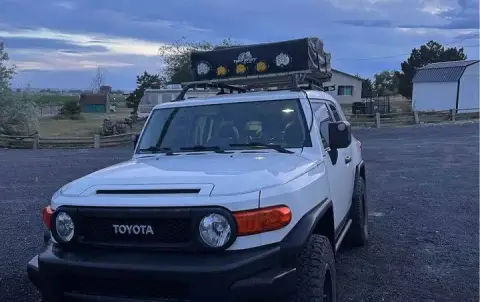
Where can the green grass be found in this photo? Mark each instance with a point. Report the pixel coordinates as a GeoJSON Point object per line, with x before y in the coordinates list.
{"type": "Point", "coordinates": [55, 99]}
{"type": "Point", "coordinates": [47, 100]}
{"type": "Point", "coordinates": [89, 125]}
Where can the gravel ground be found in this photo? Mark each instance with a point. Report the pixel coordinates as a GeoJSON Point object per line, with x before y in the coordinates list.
{"type": "Point", "coordinates": [423, 188]}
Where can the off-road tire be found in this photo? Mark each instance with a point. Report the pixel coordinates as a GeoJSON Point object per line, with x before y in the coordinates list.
{"type": "Point", "coordinates": [358, 233]}
{"type": "Point", "coordinates": [316, 273]}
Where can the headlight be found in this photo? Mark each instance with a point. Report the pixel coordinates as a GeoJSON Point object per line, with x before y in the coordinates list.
{"type": "Point", "coordinates": [215, 230]}
{"type": "Point", "coordinates": [64, 226]}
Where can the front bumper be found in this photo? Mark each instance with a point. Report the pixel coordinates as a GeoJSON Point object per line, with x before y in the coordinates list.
{"type": "Point", "coordinates": [185, 277]}
{"type": "Point", "coordinates": [264, 273]}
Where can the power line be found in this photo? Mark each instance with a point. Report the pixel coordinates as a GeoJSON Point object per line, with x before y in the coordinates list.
{"type": "Point", "coordinates": [407, 54]}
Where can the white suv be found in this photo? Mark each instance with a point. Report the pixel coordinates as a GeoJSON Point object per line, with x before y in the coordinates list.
{"type": "Point", "coordinates": [233, 197]}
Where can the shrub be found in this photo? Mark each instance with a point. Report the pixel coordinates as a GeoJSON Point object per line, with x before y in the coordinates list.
{"type": "Point", "coordinates": [110, 127]}
{"type": "Point", "coordinates": [70, 110]}
{"type": "Point", "coordinates": [18, 114]}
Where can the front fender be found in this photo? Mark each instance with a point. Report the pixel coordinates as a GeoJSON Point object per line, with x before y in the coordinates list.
{"type": "Point", "coordinates": [298, 237]}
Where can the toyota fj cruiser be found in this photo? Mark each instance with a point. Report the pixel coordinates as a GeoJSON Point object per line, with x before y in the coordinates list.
{"type": "Point", "coordinates": [246, 195]}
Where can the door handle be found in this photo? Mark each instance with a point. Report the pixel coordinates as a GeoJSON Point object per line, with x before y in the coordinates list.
{"type": "Point", "coordinates": [348, 159]}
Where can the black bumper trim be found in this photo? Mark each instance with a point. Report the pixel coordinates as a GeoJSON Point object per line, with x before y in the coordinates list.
{"type": "Point", "coordinates": [257, 272]}
{"type": "Point", "coordinates": [75, 297]}
{"type": "Point", "coordinates": [264, 282]}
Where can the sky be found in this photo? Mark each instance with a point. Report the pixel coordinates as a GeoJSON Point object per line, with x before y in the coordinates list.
{"type": "Point", "coordinates": [60, 44]}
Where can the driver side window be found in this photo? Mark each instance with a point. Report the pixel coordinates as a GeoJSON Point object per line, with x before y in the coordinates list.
{"type": "Point", "coordinates": [322, 117]}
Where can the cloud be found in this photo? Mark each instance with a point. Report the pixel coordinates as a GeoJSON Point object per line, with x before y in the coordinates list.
{"type": "Point", "coordinates": [448, 15]}
{"type": "Point", "coordinates": [114, 45]}
{"type": "Point", "coordinates": [40, 43]}
{"type": "Point", "coordinates": [45, 49]}
{"type": "Point", "coordinates": [63, 60]}
{"type": "Point", "coordinates": [67, 39]}
{"type": "Point", "coordinates": [362, 5]}
{"type": "Point", "coordinates": [368, 23]}
{"type": "Point", "coordinates": [64, 5]}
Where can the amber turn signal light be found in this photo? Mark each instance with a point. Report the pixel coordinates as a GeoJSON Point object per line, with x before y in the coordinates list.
{"type": "Point", "coordinates": [262, 220]}
{"type": "Point", "coordinates": [47, 214]}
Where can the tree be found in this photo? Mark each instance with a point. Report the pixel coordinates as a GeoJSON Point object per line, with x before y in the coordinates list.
{"type": "Point", "coordinates": [431, 52]}
{"type": "Point", "coordinates": [144, 81]}
{"type": "Point", "coordinates": [367, 87]}
{"type": "Point", "coordinates": [386, 82]}
{"type": "Point", "coordinates": [6, 73]}
{"type": "Point", "coordinates": [18, 115]}
{"type": "Point", "coordinates": [176, 57]}
{"type": "Point", "coordinates": [70, 110]}
{"type": "Point", "coordinates": [19, 112]}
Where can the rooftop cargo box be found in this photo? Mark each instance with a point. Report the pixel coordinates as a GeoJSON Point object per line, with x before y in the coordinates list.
{"type": "Point", "coordinates": [227, 64]}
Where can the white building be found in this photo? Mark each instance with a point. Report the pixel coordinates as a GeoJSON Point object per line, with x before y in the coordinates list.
{"type": "Point", "coordinates": [348, 88]}
{"type": "Point", "coordinates": [446, 85]}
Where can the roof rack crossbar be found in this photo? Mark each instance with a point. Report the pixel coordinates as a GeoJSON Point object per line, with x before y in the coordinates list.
{"type": "Point", "coordinates": [222, 86]}
{"type": "Point", "coordinates": [286, 81]}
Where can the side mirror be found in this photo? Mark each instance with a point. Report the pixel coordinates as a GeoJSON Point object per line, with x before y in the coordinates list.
{"type": "Point", "coordinates": [339, 134]}
{"type": "Point", "coordinates": [135, 140]}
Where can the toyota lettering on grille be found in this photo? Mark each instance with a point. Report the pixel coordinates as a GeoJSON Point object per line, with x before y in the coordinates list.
{"type": "Point", "coordinates": [132, 229]}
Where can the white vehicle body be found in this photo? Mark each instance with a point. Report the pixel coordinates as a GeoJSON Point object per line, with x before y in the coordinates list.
{"type": "Point", "coordinates": [237, 196]}
{"type": "Point", "coordinates": [242, 181]}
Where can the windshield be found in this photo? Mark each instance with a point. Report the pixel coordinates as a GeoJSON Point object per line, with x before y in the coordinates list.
{"type": "Point", "coordinates": [227, 126]}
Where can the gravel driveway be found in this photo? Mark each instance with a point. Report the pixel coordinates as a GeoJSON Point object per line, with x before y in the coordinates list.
{"type": "Point", "coordinates": [423, 186]}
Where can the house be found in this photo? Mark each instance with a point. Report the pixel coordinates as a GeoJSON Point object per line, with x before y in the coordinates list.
{"type": "Point", "coordinates": [348, 88]}
{"type": "Point", "coordinates": [94, 102]}
{"type": "Point", "coordinates": [446, 85]}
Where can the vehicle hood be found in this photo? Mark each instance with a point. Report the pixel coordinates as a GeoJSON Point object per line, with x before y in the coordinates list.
{"type": "Point", "coordinates": [219, 174]}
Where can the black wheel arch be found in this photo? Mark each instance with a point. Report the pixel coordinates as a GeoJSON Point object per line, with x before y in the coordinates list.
{"type": "Point", "coordinates": [318, 220]}
{"type": "Point", "coordinates": [360, 172]}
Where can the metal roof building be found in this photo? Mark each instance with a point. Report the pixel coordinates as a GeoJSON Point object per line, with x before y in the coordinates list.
{"type": "Point", "coordinates": [446, 85]}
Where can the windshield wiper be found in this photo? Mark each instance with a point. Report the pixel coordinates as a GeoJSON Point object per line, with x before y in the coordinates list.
{"type": "Point", "coordinates": [155, 149]}
{"type": "Point", "coordinates": [215, 149]}
{"type": "Point", "coordinates": [267, 146]}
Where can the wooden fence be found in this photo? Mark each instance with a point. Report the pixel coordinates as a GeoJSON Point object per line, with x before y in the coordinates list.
{"type": "Point", "coordinates": [410, 118]}
{"type": "Point", "coordinates": [357, 120]}
{"type": "Point", "coordinates": [37, 142]}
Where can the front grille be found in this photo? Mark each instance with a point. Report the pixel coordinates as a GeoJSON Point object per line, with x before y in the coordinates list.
{"type": "Point", "coordinates": [153, 228]}
{"type": "Point", "coordinates": [135, 288]}
{"type": "Point", "coordinates": [166, 231]}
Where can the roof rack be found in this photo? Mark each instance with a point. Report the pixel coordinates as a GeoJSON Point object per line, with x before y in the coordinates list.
{"type": "Point", "coordinates": [292, 64]}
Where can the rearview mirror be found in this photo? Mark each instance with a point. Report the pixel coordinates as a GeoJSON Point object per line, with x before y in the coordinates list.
{"type": "Point", "coordinates": [135, 140]}
{"type": "Point", "coordinates": [340, 134]}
